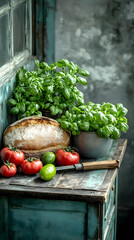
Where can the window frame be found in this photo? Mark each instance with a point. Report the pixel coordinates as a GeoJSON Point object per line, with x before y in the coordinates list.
{"type": "Point", "coordinates": [7, 70]}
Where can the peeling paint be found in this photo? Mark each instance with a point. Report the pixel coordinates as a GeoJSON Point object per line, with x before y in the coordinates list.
{"type": "Point", "coordinates": [92, 33]}
{"type": "Point", "coordinates": [105, 74]}
{"type": "Point", "coordinates": [82, 53]}
{"type": "Point", "coordinates": [106, 41]}
{"type": "Point", "coordinates": [78, 32]}
{"type": "Point", "coordinates": [127, 56]}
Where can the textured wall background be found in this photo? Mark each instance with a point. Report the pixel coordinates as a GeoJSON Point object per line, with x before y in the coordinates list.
{"type": "Point", "coordinates": [99, 36]}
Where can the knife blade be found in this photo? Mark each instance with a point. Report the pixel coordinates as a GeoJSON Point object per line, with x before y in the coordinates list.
{"type": "Point", "coordinates": [94, 165]}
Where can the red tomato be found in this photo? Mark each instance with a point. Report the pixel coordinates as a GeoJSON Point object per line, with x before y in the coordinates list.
{"type": "Point", "coordinates": [8, 170]}
{"type": "Point", "coordinates": [12, 155]}
{"type": "Point", "coordinates": [31, 166]}
{"type": "Point", "coordinates": [64, 158]}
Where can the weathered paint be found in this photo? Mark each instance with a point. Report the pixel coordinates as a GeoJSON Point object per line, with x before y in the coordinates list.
{"type": "Point", "coordinates": [44, 219]}
{"type": "Point", "coordinates": [45, 30]}
{"type": "Point", "coordinates": [49, 35]}
{"type": "Point", "coordinates": [50, 219]}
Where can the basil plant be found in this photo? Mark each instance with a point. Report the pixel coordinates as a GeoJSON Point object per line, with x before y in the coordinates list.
{"type": "Point", "coordinates": [106, 119]}
{"type": "Point", "coordinates": [52, 87]}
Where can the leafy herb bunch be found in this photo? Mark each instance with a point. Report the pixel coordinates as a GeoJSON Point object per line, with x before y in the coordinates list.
{"type": "Point", "coordinates": [50, 86]}
{"type": "Point", "coordinates": [106, 119]}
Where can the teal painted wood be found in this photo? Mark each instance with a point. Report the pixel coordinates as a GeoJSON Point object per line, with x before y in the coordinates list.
{"type": "Point", "coordinates": [43, 219]}
{"type": "Point", "coordinates": [3, 218]}
{"type": "Point", "coordinates": [45, 30]}
{"type": "Point", "coordinates": [49, 35]}
{"type": "Point", "coordinates": [93, 222]}
{"type": "Point", "coordinates": [110, 213]}
{"type": "Point", "coordinates": [116, 206]}
{"type": "Point", "coordinates": [39, 30]}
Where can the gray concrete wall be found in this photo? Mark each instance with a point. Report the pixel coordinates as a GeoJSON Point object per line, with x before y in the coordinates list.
{"type": "Point", "coordinates": [98, 35]}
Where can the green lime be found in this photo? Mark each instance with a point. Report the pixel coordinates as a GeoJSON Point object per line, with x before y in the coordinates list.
{"type": "Point", "coordinates": [48, 157]}
{"type": "Point", "coordinates": [48, 172]}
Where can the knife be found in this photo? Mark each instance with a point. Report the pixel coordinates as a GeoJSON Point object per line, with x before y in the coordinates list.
{"type": "Point", "coordinates": [106, 164]}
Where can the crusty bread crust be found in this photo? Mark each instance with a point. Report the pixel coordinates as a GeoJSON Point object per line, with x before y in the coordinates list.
{"type": "Point", "coordinates": [32, 120]}
{"type": "Point", "coordinates": [36, 135]}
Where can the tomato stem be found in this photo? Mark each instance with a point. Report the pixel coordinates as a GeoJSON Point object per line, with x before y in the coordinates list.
{"type": "Point", "coordinates": [12, 148]}
{"type": "Point", "coordinates": [70, 149]}
{"type": "Point", "coordinates": [8, 164]}
{"type": "Point", "coordinates": [31, 159]}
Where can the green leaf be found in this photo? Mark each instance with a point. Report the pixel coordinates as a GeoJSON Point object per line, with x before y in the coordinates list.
{"type": "Point", "coordinates": [53, 66]}
{"type": "Point", "coordinates": [74, 68]}
{"type": "Point", "coordinates": [101, 118]}
{"type": "Point", "coordinates": [70, 79]}
{"type": "Point", "coordinates": [84, 126]}
{"type": "Point", "coordinates": [66, 92]}
{"type": "Point", "coordinates": [113, 111]}
{"type": "Point", "coordinates": [65, 124]}
{"type": "Point", "coordinates": [115, 134]}
{"type": "Point", "coordinates": [122, 111]}
{"type": "Point", "coordinates": [22, 107]}
{"type": "Point", "coordinates": [123, 127]}
{"type": "Point", "coordinates": [84, 73]}
{"type": "Point", "coordinates": [12, 102]}
{"type": "Point", "coordinates": [81, 81]}
{"type": "Point", "coordinates": [47, 105]}
{"type": "Point", "coordinates": [49, 89]}
{"type": "Point", "coordinates": [14, 110]}
{"type": "Point", "coordinates": [54, 110]}
{"type": "Point", "coordinates": [62, 63]}
{"type": "Point", "coordinates": [111, 118]}
{"type": "Point", "coordinates": [39, 113]}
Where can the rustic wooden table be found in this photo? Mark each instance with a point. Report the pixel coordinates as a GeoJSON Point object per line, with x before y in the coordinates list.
{"type": "Point", "coordinates": [73, 205]}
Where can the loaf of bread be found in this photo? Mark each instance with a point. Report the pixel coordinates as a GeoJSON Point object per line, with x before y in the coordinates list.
{"type": "Point", "coordinates": [36, 135]}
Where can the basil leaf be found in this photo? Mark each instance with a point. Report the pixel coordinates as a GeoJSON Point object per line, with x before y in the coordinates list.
{"type": "Point", "coordinates": [84, 73]}
{"type": "Point", "coordinates": [66, 92]}
{"type": "Point", "coordinates": [115, 134]}
{"type": "Point", "coordinates": [70, 78]}
{"type": "Point", "coordinates": [65, 124]}
{"type": "Point", "coordinates": [122, 111]}
{"type": "Point", "coordinates": [111, 118]}
{"type": "Point", "coordinates": [101, 118]}
{"type": "Point", "coordinates": [123, 127]}
{"type": "Point", "coordinates": [54, 110]}
{"type": "Point", "coordinates": [84, 126]}
{"type": "Point", "coordinates": [62, 63]}
{"type": "Point", "coordinates": [81, 80]}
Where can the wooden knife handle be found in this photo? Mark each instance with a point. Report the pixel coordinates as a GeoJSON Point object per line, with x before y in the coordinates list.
{"type": "Point", "coordinates": [100, 164]}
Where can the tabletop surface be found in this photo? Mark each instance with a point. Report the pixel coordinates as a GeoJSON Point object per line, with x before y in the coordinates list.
{"type": "Point", "coordinates": [76, 185]}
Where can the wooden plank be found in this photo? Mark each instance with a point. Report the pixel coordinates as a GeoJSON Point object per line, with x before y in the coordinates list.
{"type": "Point", "coordinates": [85, 183]}
{"type": "Point", "coordinates": [45, 204]}
{"type": "Point", "coordinates": [82, 180]}
{"type": "Point", "coordinates": [46, 224]}
{"type": "Point", "coordinates": [93, 222]}
{"type": "Point", "coordinates": [51, 193]}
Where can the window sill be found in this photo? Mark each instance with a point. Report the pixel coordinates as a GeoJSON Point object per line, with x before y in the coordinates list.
{"type": "Point", "coordinates": [10, 69]}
